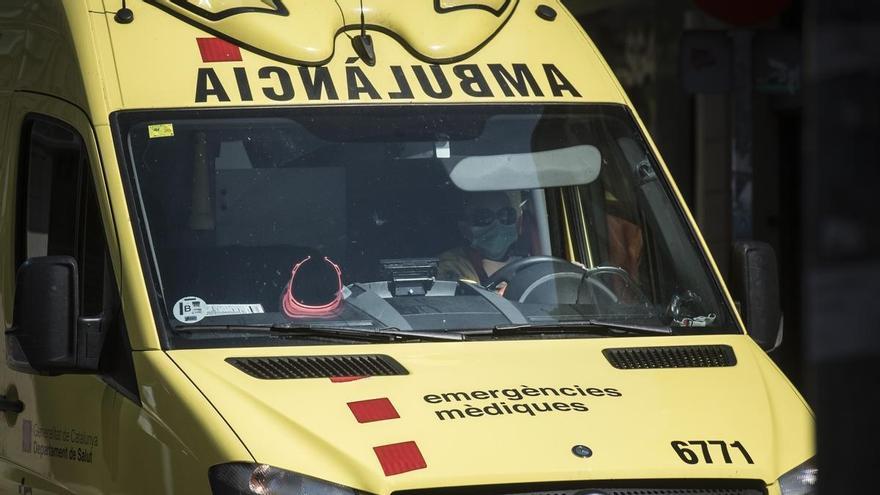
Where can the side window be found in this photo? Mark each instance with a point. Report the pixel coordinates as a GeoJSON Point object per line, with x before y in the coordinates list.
{"type": "Point", "coordinates": [59, 209]}
{"type": "Point", "coordinates": [51, 170]}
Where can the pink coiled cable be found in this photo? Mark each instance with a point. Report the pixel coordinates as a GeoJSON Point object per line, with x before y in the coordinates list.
{"type": "Point", "coordinates": [296, 309]}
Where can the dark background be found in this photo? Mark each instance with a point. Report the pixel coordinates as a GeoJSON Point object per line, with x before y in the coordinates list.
{"type": "Point", "coordinates": [767, 113]}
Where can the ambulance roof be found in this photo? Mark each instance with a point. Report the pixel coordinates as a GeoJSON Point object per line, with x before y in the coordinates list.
{"type": "Point", "coordinates": [227, 53]}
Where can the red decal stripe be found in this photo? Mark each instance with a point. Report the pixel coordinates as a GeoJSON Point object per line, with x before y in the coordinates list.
{"type": "Point", "coordinates": [343, 379]}
{"type": "Point", "coordinates": [217, 50]}
{"type": "Point", "coordinates": [400, 458]}
{"type": "Point", "coordinates": [367, 411]}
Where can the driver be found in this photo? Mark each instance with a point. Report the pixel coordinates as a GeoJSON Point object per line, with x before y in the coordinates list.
{"type": "Point", "coordinates": [492, 224]}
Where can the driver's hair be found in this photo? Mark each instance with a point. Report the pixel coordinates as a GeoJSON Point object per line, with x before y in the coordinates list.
{"type": "Point", "coordinates": [514, 200]}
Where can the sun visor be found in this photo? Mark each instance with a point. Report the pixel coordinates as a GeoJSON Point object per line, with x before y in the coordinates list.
{"type": "Point", "coordinates": [305, 31]}
{"type": "Point", "coordinates": [573, 166]}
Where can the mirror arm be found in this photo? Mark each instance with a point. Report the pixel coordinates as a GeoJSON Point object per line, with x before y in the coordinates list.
{"type": "Point", "coordinates": [755, 286]}
{"type": "Point", "coordinates": [90, 336]}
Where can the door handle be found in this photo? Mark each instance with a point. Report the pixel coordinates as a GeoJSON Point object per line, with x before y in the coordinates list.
{"type": "Point", "coordinates": [14, 406]}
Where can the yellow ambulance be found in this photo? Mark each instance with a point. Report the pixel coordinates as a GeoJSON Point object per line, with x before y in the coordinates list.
{"type": "Point", "coordinates": [338, 247]}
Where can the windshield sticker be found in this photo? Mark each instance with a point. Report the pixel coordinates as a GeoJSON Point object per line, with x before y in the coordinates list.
{"type": "Point", "coordinates": [234, 309]}
{"type": "Point", "coordinates": [189, 310]}
{"type": "Point", "coordinates": [194, 309]}
{"type": "Point", "coordinates": [696, 321]}
{"type": "Point", "coordinates": [442, 149]}
{"type": "Point", "coordinates": [160, 131]}
{"type": "Point", "coordinates": [516, 400]}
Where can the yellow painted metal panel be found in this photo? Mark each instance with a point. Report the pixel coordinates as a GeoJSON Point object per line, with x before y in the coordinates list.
{"type": "Point", "coordinates": [65, 433]}
{"type": "Point", "coordinates": [168, 444]}
{"type": "Point", "coordinates": [304, 31]}
{"type": "Point", "coordinates": [467, 438]}
{"type": "Point", "coordinates": [306, 425]}
{"type": "Point", "coordinates": [78, 435]}
{"type": "Point", "coordinates": [135, 299]}
{"type": "Point", "coordinates": [8, 178]}
{"type": "Point", "coordinates": [160, 65]}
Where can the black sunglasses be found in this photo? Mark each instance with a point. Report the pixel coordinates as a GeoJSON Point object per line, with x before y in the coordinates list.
{"type": "Point", "coordinates": [483, 217]}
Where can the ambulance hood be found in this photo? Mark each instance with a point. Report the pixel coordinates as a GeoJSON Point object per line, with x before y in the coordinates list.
{"type": "Point", "coordinates": [475, 413]}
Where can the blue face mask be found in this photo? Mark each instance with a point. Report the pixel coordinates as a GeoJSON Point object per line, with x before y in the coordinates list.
{"type": "Point", "coordinates": [494, 240]}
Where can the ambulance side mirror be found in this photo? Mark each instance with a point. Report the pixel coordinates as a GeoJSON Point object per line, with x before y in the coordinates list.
{"type": "Point", "coordinates": [755, 286]}
{"type": "Point", "coordinates": [47, 336]}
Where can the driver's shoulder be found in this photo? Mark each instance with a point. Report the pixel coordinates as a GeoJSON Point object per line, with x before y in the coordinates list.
{"type": "Point", "coordinates": [456, 253]}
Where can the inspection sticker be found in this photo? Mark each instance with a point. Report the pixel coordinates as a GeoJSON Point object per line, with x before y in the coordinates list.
{"type": "Point", "coordinates": [234, 309]}
{"type": "Point", "coordinates": [194, 309]}
{"type": "Point", "coordinates": [190, 310]}
{"type": "Point", "coordinates": [160, 130]}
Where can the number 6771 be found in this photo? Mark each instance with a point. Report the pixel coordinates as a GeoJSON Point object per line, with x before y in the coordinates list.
{"type": "Point", "coordinates": [691, 455]}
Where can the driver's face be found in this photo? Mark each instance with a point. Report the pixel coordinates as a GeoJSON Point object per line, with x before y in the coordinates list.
{"type": "Point", "coordinates": [491, 225]}
{"type": "Point", "coordinates": [485, 208]}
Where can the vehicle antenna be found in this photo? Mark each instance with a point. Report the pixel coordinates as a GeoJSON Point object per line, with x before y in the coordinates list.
{"type": "Point", "coordinates": [363, 43]}
{"type": "Point", "coordinates": [124, 15]}
{"type": "Point", "coordinates": [363, 22]}
{"type": "Point", "coordinates": [343, 19]}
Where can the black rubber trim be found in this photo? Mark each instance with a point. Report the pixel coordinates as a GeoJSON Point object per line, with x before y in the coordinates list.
{"type": "Point", "coordinates": [610, 487]}
{"type": "Point", "coordinates": [120, 374]}
{"type": "Point", "coordinates": [496, 12]}
{"type": "Point", "coordinates": [666, 179]}
{"type": "Point", "coordinates": [21, 184]}
{"type": "Point", "coordinates": [138, 227]}
{"type": "Point", "coordinates": [13, 406]}
{"type": "Point", "coordinates": [281, 10]}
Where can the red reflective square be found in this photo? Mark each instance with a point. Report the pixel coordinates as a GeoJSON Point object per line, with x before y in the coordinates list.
{"type": "Point", "coordinates": [400, 458]}
{"type": "Point", "coordinates": [217, 50]}
{"type": "Point", "coordinates": [367, 411]}
{"type": "Point", "coordinates": [343, 379]}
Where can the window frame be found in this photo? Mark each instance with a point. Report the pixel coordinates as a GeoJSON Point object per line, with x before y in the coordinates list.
{"type": "Point", "coordinates": [86, 203]}
{"type": "Point", "coordinates": [120, 120]}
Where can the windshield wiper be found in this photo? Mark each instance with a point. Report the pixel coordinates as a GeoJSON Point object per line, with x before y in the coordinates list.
{"type": "Point", "coordinates": [580, 327]}
{"type": "Point", "coordinates": [346, 333]}
{"type": "Point", "coordinates": [388, 334]}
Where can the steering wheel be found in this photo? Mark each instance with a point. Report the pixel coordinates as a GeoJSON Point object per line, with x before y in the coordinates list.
{"type": "Point", "coordinates": [508, 271]}
{"type": "Point", "coordinates": [531, 277]}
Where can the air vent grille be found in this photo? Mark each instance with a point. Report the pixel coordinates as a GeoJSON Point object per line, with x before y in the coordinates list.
{"type": "Point", "coordinates": [290, 367]}
{"type": "Point", "coordinates": [691, 356]}
{"type": "Point", "coordinates": [683, 491]}
{"type": "Point", "coordinates": [646, 487]}
{"type": "Point", "coordinates": [650, 491]}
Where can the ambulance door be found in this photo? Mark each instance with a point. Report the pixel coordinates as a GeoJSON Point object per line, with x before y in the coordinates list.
{"type": "Point", "coordinates": [56, 442]}
{"type": "Point", "coordinates": [13, 478]}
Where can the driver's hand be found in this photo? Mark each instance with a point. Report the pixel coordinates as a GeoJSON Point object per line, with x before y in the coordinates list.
{"type": "Point", "coordinates": [500, 288]}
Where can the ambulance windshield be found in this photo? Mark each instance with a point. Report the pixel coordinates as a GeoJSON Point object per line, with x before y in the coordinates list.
{"type": "Point", "coordinates": [445, 219]}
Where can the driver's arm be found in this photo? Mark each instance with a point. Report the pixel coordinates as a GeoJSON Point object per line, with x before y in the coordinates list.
{"type": "Point", "coordinates": [455, 265]}
{"type": "Point", "coordinates": [625, 244]}
{"type": "Point", "coordinates": [625, 238]}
